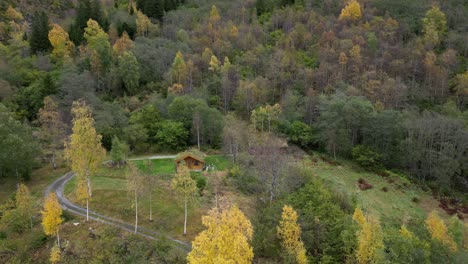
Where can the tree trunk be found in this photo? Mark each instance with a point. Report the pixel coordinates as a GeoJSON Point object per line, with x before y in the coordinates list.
{"type": "Point", "coordinates": [151, 207]}
{"type": "Point", "coordinates": [58, 238]}
{"type": "Point", "coordinates": [89, 183]}
{"type": "Point", "coordinates": [54, 165]}
{"type": "Point", "coordinates": [185, 220]}
{"type": "Point", "coordinates": [30, 218]}
{"type": "Point", "coordinates": [198, 135]}
{"type": "Point", "coordinates": [136, 212]}
{"type": "Point", "coordinates": [87, 209]}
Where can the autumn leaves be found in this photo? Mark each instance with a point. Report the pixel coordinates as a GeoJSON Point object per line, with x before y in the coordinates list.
{"type": "Point", "coordinates": [229, 232]}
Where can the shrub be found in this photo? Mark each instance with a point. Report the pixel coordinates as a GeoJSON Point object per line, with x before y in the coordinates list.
{"type": "Point", "coordinates": [366, 158]}
{"type": "Point", "coordinates": [385, 189]}
{"type": "Point", "coordinates": [201, 183]}
{"type": "Point", "coordinates": [364, 185]}
{"type": "Point", "coordinates": [415, 199]}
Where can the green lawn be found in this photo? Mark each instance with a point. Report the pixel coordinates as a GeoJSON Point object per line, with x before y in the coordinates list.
{"type": "Point", "coordinates": [393, 207]}
{"type": "Point", "coordinates": [220, 162]}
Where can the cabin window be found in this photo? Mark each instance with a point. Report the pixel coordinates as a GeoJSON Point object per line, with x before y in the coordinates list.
{"type": "Point", "coordinates": [196, 163]}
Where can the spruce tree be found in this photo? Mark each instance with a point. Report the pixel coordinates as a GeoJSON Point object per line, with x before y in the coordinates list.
{"type": "Point", "coordinates": [154, 9]}
{"type": "Point", "coordinates": [39, 41]}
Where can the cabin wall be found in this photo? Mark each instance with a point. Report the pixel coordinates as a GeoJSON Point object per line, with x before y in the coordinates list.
{"type": "Point", "coordinates": [193, 164]}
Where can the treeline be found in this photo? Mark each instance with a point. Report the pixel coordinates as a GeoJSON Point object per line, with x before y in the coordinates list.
{"type": "Point", "coordinates": [361, 79]}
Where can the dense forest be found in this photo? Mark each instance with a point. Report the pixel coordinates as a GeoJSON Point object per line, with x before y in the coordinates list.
{"type": "Point", "coordinates": [383, 84]}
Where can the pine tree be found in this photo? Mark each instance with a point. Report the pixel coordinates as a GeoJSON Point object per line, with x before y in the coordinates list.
{"type": "Point", "coordinates": [154, 9]}
{"type": "Point", "coordinates": [226, 239]}
{"type": "Point", "coordinates": [24, 203]}
{"type": "Point", "coordinates": [52, 216]}
{"type": "Point", "coordinates": [84, 149]}
{"type": "Point", "coordinates": [289, 232]}
{"type": "Point", "coordinates": [39, 40]}
{"type": "Point", "coordinates": [185, 186]}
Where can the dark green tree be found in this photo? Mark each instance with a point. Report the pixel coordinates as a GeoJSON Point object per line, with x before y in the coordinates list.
{"type": "Point", "coordinates": [39, 39]}
{"type": "Point", "coordinates": [154, 9]}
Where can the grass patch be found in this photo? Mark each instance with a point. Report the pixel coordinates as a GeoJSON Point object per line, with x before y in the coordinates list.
{"type": "Point", "coordinates": [392, 206]}
{"type": "Point", "coordinates": [220, 162]}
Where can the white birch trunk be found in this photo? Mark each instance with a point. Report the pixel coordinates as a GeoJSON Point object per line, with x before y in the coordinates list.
{"type": "Point", "coordinates": [185, 220]}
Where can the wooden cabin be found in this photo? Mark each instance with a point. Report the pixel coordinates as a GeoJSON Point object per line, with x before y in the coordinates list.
{"type": "Point", "coordinates": [193, 161]}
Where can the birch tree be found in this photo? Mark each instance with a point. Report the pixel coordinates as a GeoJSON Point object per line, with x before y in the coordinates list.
{"type": "Point", "coordinates": [23, 202]}
{"type": "Point", "coordinates": [136, 185]}
{"type": "Point", "coordinates": [84, 149]}
{"type": "Point", "coordinates": [185, 187]}
{"type": "Point", "coordinates": [52, 216]}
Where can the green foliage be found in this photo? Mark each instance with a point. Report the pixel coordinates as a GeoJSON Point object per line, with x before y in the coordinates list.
{"type": "Point", "coordinates": [87, 9]}
{"type": "Point", "coordinates": [324, 224]}
{"type": "Point", "coordinates": [129, 72]}
{"type": "Point", "coordinates": [301, 134]}
{"type": "Point", "coordinates": [119, 151]}
{"type": "Point", "coordinates": [171, 136]}
{"type": "Point", "coordinates": [365, 157]}
{"type": "Point", "coordinates": [18, 149]}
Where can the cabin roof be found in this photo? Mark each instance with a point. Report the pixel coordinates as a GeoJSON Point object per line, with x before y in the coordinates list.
{"type": "Point", "coordinates": [193, 154]}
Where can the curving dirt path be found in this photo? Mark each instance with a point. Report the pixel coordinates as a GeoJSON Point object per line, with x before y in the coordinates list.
{"type": "Point", "coordinates": [58, 186]}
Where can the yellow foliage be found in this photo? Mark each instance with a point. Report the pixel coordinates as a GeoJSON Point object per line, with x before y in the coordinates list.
{"type": "Point", "coordinates": [82, 192]}
{"type": "Point", "coordinates": [23, 199]}
{"type": "Point", "coordinates": [179, 69]}
{"type": "Point", "coordinates": [404, 232]}
{"type": "Point", "coordinates": [84, 150]}
{"type": "Point", "coordinates": [289, 233]}
{"type": "Point", "coordinates": [461, 81]}
{"type": "Point", "coordinates": [123, 44]}
{"type": "Point", "coordinates": [355, 53]}
{"type": "Point", "coordinates": [214, 63]}
{"type": "Point", "coordinates": [352, 11]}
{"type": "Point", "coordinates": [13, 15]}
{"type": "Point", "coordinates": [343, 59]}
{"type": "Point", "coordinates": [51, 215]}
{"type": "Point", "coordinates": [214, 15]}
{"type": "Point", "coordinates": [143, 24]}
{"type": "Point", "coordinates": [226, 239]}
{"type": "Point", "coordinates": [62, 46]}
{"type": "Point", "coordinates": [438, 230]}
{"type": "Point", "coordinates": [55, 255]}
{"type": "Point", "coordinates": [370, 242]}
{"type": "Point", "coordinates": [183, 183]}
{"type": "Point", "coordinates": [358, 216]}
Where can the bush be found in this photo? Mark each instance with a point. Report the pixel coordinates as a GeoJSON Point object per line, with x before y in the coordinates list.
{"type": "Point", "coordinates": [201, 183]}
{"type": "Point", "coordinates": [415, 199]}
{"type": "Point", "coordinates": [385, 189]}
{"type": "Point", "coordinates": [364, 185]}
{"type": "Point", "coordinates": [366, 158]}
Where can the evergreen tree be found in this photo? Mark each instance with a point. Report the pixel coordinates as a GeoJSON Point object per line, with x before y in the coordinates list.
{"type": "Point", "coordinates": [39, 41]}
{"type": "Point", "coordinates": [86, 10]}
{"type": "Point", "coordinates": [154, 9]}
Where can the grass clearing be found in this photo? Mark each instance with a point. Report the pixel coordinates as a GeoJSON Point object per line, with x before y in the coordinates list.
{"type": "Point", "coordinates": [394, 206]}
{"type": "Point", "coordinates": [220, 162]}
